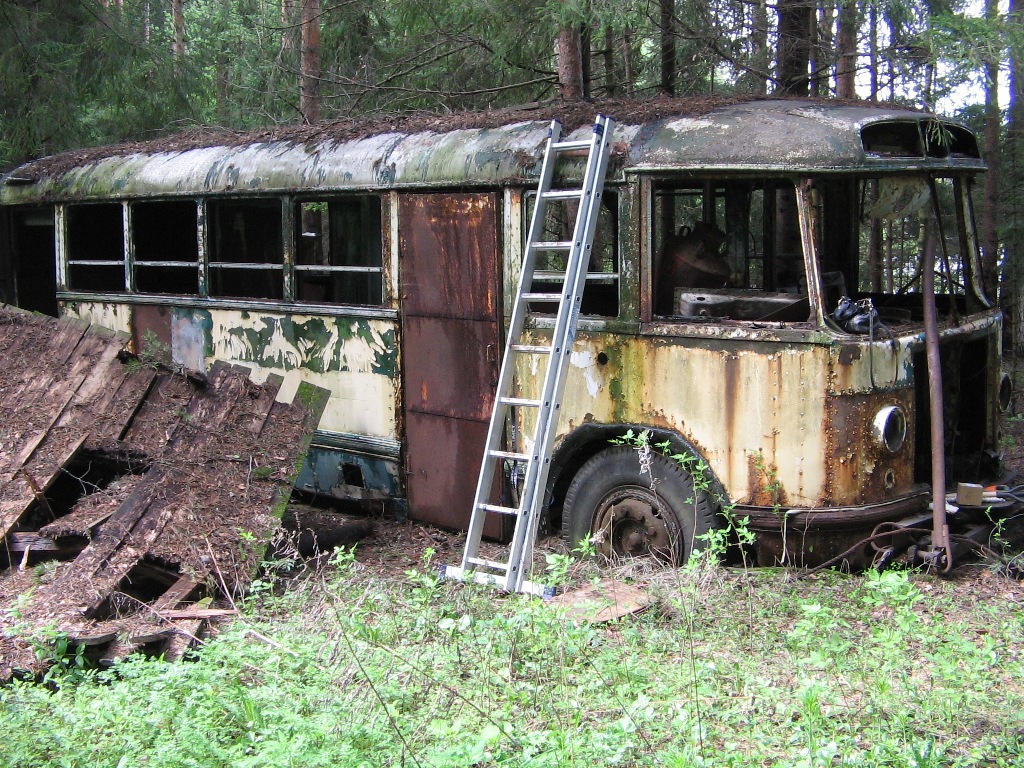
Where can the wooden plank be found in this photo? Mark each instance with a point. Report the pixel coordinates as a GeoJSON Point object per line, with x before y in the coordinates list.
{"type": "Point", "coordinates": [112, 534]}
{"type": "Point", "coordinates": [186, 636]}
{"type": "Point", "coordinates": [17, 496]}
{"type": "Point", "coordinates": [124, 405]}
{"type": "Point", "coordinates": [92, 510]}
{"type": "Point", "coordinates": [199, 613]}
{"type": "Point", "coordinates": [178, 592]}
{"type": "Point", "coordinates": [198, 440]}
{"type": "Point", "coordinates": [605, 601]}
{"type": "Point", "coordinates": [19, 542]}
{"type": "Point", "coordinates": [55, 368]}
{"type": "Point", "coordinates": [50, 361]}
{"type": "Point", "coordinates": [150, 507]}
{"type": "Point", "coordinates": [93, 638]}
{"type": "Point", "coordinates": [174, 595]}
{"type": "Point", "coordinates": [151, 426]}
{"type": "Point", "coordinates": [27, 541]}
{"type": "Point", "coordinates": [148, 635]}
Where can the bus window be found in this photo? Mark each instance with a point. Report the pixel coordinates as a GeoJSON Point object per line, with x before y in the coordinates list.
{"type": "Point", "coordinates": [95, 247]}
{"type": "Point", "coordinates": [898, 221]}
{"type": "Point", "coordinates": [729, 250]}
{"type": "Point", "coordinates": [873, 233]}
{"type": "Point", "coordinates": [601, 295]}
{"type": "Point", "coordinates": [32, 266]}
{"type": "Point", "coordinates": [338, 257]}
{"type": "Point", "coordinates": [246, 249]}
{"type": "Point", "coordinates": [166, 257]}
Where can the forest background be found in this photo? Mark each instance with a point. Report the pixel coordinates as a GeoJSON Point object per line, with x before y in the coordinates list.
{"type": "Point", "coordinates": [77, 73]}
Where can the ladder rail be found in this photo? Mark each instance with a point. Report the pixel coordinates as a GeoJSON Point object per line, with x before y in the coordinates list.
{"type": "Point", "coordinates": [562, 339]}
{"type": "Point", "coordinates": [511, 574]}
{"type": "Point", "coordinates": [496, 427]}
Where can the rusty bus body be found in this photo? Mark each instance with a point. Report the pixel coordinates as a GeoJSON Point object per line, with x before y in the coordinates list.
{"type": "Point", "coordinates": [382, 268]}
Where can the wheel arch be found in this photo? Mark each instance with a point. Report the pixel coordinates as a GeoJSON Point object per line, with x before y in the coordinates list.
{"type": "Point", "coordinates": [587, 440]}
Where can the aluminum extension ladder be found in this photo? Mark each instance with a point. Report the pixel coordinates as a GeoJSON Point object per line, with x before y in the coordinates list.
{"type": "Point", "coordinates": [534, 465]}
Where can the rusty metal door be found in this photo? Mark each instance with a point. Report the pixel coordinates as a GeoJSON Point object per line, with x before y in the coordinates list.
{"type": "Point", "coordinates": [451, 347]}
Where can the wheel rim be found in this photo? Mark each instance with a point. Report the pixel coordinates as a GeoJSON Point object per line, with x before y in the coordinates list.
{"type": "Point", "coordinates": [634, 522]}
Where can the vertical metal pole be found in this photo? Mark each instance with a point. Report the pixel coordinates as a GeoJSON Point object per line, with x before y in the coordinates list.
{"type": "Point", "coordinates": [942, 556]}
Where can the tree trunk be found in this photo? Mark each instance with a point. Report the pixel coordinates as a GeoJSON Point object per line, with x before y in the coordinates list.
{"type": "Point", "coordinates": [147, 22]}
{"type": "Point", "coordinates": [288, 29]}
{"type": "Point", "coordinates": [846, 51]}
{"type": "Point", "coordinates": [569, 64]}
{"type": "Point", "coordinates": [309, 66]}
{"type": "Point", "coordinates": [821, 47]}
{"type": "Point", "coordinates": [760, 56]}
{"type": "Point", "coordinates": [178, 18]}
{"type": "Point", "coordinates": [586, 65]}
{"type": "Point", "coordinates": [627, 61]}
{"type": "Point", "coordinates": [608, 56]}
{"type": "Point", "coordinates": [794, 48]}
{"type": "Point", "coordinates": [1015, 168]}
{"type": "Point", "coordinates": [990, 202]}
{"type": "Point", "coordinates": [874, 51]}
{"type": "Point", "coordinates": [668, 46]}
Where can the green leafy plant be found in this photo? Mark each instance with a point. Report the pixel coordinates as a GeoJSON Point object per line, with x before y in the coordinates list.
{"type": "Point", "coordinates": [152, 354]}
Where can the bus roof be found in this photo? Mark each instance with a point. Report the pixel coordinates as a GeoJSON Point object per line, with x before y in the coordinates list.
{"type": "Point", "coordinates": [792, 136]}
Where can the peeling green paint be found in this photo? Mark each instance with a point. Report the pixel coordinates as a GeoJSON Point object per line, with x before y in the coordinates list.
{"type": "Point", "coordinates": [317, 344]}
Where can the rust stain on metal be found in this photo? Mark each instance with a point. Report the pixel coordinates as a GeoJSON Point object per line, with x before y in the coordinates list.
{"type": "Point", "coordinates": [449, 253]}
{"type": "Point", "coordinates": [764, 486]}
{"type": "Point", "coordinates": [848, 354]}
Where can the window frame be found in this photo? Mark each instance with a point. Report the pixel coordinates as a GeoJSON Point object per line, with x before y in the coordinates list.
{"type": "Point", "coordinates": [295, 205]}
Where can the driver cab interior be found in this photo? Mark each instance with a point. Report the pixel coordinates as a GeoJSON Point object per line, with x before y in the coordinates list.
{"type": "Point", "coordinates": [727, 250]}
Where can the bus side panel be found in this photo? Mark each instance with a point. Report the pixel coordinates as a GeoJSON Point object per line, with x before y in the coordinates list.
{"type": "Point", "coordinates": [451, 348]}
{"type": "Point", "coordinates": [751, 409]}
{"type": "Point", "coordinates": [355, 359]}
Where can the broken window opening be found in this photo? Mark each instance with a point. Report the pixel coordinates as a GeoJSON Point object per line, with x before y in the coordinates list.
{"type": "Point", "coordinates": [339, 253]}
{"type": "Point", "coordinates": [166, 247]}
{"type": "Point", "coordinates": [729, 250]}
{"type": "Point", "coordinates": [95, 247]}
{"type": "Point", "coordinates": [601, 294]}
{"type": "Point", "coordinates": [32, 266]}
{"type": "Point", "coordinates": [246, 249]}
{"type": "Point", "coordinates": [874, 232]}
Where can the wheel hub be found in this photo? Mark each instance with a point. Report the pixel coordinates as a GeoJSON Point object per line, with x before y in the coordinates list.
{"type": "Point", "coordinates": [633, 522]}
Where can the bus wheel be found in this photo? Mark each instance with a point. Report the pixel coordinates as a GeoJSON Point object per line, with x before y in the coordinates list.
{"type": "Point", "coordinates": [611, 503]}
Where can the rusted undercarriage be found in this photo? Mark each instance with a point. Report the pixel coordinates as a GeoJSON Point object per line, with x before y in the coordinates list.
{"type": "Point", "coordinates": [860, 537]}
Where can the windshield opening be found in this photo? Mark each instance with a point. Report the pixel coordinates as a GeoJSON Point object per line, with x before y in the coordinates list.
{"type": "Point", "coordinates": [872, 235]}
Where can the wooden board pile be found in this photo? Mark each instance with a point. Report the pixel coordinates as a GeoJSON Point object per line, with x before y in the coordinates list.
{"type": "Point", "coordinates": [130, 494]}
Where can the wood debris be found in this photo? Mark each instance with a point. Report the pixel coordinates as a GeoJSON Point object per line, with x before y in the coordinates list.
{"type": "Point", "coordinates": [604, 601]}
{"type": "Point", "coordinates": [152, 489]}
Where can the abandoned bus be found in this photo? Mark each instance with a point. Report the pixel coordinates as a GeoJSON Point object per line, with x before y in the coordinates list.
{"type": "Point", "coordinates": [753, 300]}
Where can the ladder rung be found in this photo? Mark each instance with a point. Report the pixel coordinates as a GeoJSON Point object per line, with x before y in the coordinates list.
{"type": "Point", "coordinates": [498, 509]}
{"type": "Point", "coordinates": [488, 563]}
{"type": "Point", "coordinates": [568, 146]}
{"type": "Point", "coordinates": [508, 455]}
{"type": "Point", "coordinates": [562, 194]}
{"type": "Point", "coordinates": [531, 349]}
{"type": "Point", "coordinates": [552, 245]}
{"type": "Point", "coordinates": [542, 297]}
{"type": "Point", "coordinates": [551, 276]}
{"type": "Point", "coordinates": [520, 401]}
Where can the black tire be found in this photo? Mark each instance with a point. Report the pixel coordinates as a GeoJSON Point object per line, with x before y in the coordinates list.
{"type": "Point", "coordinates": [611, 503]}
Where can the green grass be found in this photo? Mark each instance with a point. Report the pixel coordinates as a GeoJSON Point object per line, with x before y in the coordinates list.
{"type": "Point", "coordinates": [727, 668]}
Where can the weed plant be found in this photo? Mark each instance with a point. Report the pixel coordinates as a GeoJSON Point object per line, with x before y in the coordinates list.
{"type": "Point", "coordinates": [727, 668]}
